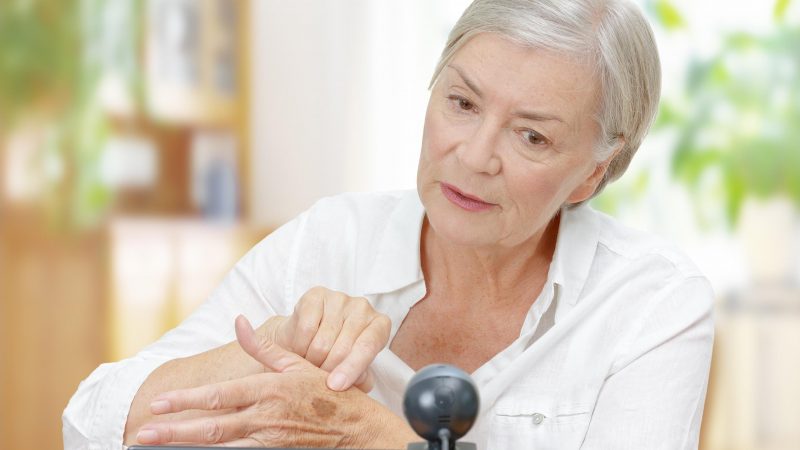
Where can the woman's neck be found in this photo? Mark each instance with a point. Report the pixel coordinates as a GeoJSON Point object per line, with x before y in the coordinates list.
{"type": "Point", "coordinates": [490, 276]}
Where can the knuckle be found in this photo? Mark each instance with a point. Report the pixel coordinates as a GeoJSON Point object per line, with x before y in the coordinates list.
{"type": "Point", "coordinates": [309, 300]}
{"type": "Point", "coordinates": [302, 301]}
{"type": "Point", "coordinates": [313, 300]}
{"type": "Point", "coordinates": [338, 354]}
{"type": "Point", "coordinates": [362, 304]}
{"type": "Point", "coordinates": [276, 434]}
{"type": "Point", "coordinates": [212, 432]}
{"type": "Point", "coordinates": [337, 295]}
{"type": "Point", "coordinates": [384, 322]}
{"type": "Point", "coordinates": [215, 399]}
{"type": "Point", "coordinates": [366, 346]}
{"type": "Point", "coordinates": [168, 434]}
{"type": "Point", "coordinates": [307, 326]}
{"type": "Point", "coordinates": [319, 347]}
{"type": "Point", "coordinates": [315, 292]}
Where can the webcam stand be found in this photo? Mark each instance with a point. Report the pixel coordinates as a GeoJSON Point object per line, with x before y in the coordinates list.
{"type": "Point", "coordinates": [443, 443]}
{"type": "Point", "coordinates": [438, 446]}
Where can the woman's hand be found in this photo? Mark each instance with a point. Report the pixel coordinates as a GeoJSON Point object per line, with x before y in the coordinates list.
{"type": "Point", "coordinates": [335, 332]}
{"type": "Point", "coordinates": [291, 407]}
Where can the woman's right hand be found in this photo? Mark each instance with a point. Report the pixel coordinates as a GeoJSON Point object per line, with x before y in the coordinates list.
{"type": "Point", "coordinates": [335, 332]}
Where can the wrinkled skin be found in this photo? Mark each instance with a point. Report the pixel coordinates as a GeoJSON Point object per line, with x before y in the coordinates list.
{"type": "Point", "coordinates": [290, 407]}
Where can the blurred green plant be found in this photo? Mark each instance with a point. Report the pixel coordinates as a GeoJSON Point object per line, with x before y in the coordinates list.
{"type": "Point", "coordinates": [736, 123]}
{"type": "Point", "coordinates": [667, 14]}
{"type": "Point", "coordinates": [735, 126]}
{"type": "Point", "coordinates": [39, 48]}
{"type": "Point", "coordinates": [50, 71]}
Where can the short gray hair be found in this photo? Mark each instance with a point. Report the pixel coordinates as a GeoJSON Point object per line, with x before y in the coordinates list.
{"type": "Point", "coordinates": [611, 35]}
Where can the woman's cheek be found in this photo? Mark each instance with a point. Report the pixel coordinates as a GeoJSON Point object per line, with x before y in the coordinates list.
{"type": "Point", "coordinates": [443, 130]}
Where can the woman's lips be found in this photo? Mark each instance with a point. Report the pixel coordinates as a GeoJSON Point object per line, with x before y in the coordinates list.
{"type": "Point", "coordinates": [462, 200]}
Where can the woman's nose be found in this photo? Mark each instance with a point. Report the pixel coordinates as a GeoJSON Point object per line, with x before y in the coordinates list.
{"type": "Point", "coordinates": [479, 152]}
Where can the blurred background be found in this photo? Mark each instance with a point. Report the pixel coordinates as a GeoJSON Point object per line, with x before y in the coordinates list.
{"type": "Point", "coordinates": [146, 145]}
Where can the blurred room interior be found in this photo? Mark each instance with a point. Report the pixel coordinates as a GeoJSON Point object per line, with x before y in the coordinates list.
{"type": "Point", "coordinates": [145, 146]}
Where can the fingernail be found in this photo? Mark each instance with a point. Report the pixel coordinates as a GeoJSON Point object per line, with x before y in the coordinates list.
{"type": "Point", "coordinates": [159, 407]}
{"type": "Point", "coordinates": [147, 436]}
{"type": "Point", "coordinates": [337, 381]}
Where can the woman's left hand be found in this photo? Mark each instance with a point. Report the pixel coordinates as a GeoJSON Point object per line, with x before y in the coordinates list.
{"type": "Point", "coordinates": [290, 407]}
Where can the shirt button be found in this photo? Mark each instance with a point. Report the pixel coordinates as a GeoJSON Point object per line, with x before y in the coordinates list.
{"type": "Point", "coordinates": [538, 418]}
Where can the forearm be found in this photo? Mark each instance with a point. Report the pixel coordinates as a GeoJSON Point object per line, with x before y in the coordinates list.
{"type": "Point", "coordinates": [220, 364]}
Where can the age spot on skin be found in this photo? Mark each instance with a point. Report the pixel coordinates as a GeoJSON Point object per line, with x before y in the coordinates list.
{"type": "Point", "coordinates": [323, 408]}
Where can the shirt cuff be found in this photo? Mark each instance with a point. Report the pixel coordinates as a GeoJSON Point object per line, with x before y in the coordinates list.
{"type": "Point", "coordinates": [97, 413]}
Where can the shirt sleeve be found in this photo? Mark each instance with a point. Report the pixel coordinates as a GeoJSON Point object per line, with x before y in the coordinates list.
{"type": "Point", "coordinates": [655, 394]}
{"type": "Point", "coordinates": [256, 286]}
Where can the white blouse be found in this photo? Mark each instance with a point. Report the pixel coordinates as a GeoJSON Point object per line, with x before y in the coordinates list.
{"type": "Point", "coordinates": [613, 354]}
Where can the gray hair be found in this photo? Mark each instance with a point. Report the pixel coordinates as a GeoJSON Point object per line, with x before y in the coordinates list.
{"type": "Point", "coordinates": [611, 35]}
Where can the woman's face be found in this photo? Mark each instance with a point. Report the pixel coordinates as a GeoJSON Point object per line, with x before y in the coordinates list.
{"type": "Point", "coordinates": [508, 139]}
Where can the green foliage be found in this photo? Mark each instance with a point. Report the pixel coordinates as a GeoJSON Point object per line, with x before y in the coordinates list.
{"type": "Point", "coordinates": [734, 128]}
{"type": "Point", "coordinates": [39, 53]}
{"type": "Point", "coordinates": [779, 11]}
{"type": "Point", "coordinates": [737, 120]}
{"type": "Point", "coordinates": [668, 15]}
{"type": "Point", "coordinates": [50, 69]}
{"type": "Point", "coordinates": [630, 190]}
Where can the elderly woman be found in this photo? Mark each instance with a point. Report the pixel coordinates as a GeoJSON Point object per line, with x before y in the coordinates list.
{"type": "Point", "coordinates": [579, 332]}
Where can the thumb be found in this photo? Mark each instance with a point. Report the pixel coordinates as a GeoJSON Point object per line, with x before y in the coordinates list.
{"type": "Point", "coordinates": [366, 381]}
{"type": "Point", "coordinates": [268, 353]}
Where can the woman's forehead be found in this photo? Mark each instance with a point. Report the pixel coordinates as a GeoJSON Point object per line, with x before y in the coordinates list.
{"type": "Point", "coordinates": [494, 66]}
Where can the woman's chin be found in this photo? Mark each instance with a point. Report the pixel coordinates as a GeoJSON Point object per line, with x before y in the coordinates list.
{"type": "Point", "coordinates": [457, 231]}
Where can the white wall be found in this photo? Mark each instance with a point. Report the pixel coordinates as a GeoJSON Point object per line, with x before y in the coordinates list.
{"type": "Point", "coordinates": [339, 94]}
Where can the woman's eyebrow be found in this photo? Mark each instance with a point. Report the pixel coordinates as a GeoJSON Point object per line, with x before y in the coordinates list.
{"type": "Point", "coordinates": [530, 115]}
{"type": "Point", "coordinates": [470, 84]}
{"type": "Point", "coordinates": [538, 116]}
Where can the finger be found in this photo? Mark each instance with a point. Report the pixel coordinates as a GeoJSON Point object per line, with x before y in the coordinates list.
{"type": "Point", "coordinates": [353, 326]}
{"type": "Point", "coordinates": [363, 377]}
{"type": "Point", "coordinates": [207, 430]}
{"type": "Point", "coordinates": [358, 315]}
{"type": "Point", "coordinates": [366, 381]}
{"type": "Point", "coordinates": [363, 351]}
{"type": "Point", "coordinates": [329, 329]}
{"type": "Point", "coordinates": [267, 353]}
{"type": "Point", "coordinates": [223, 395]}
{"type": "Point", "coordinates": [305, 320]}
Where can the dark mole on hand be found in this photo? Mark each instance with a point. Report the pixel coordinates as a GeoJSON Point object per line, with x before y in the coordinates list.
{"type": "Point", "coordinates": [323, 408]}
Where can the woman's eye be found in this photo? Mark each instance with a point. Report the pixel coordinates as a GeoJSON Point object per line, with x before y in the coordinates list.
{"type": "Point", "coordinates": [465, 104]}
{"type": "Point", "coordinates": [461, 103]}
{"type": "Point", "coordinates": [534, 138]}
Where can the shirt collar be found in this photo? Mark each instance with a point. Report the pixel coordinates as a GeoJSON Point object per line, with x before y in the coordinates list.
{"type": "Point", "coordinates": [575, 249]}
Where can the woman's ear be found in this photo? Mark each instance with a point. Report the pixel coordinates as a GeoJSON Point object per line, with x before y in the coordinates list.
{"type": "Point", "coordinates": [586, 189]}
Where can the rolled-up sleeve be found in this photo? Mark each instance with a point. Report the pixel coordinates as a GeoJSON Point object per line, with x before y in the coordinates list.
{"type": "Point", "coordinates": [96, 415]}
